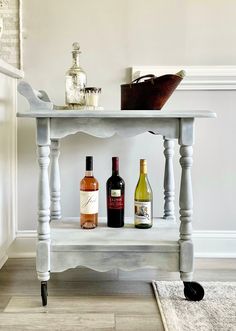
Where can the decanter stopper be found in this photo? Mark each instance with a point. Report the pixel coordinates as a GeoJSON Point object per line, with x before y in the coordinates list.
{"type": "Point", "coordinates": [76, 47]}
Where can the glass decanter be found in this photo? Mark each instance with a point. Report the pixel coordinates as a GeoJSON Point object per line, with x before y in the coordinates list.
{"type": "Point", "coordinates": [75, 80]}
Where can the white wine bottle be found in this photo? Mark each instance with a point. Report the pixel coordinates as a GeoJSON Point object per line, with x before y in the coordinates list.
{"type": "Point", "coordinates": [143, 199]}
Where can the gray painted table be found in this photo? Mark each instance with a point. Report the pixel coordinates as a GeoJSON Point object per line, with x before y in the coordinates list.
{"type": "Point", "coordinates": [62, 244]}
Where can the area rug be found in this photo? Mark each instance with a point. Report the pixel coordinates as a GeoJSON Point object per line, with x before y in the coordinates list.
{"type": "Point", "coordinates": [216, 312]}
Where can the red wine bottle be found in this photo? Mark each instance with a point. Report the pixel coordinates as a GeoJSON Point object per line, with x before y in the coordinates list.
{"type": "Point", "coordinates": [115, 197]}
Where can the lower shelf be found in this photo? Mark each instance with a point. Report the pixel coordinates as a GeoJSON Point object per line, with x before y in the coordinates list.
{"type": "Point", "coordinates": [104, 248]}
{"type": "Point", "coordinates": [66, 235]}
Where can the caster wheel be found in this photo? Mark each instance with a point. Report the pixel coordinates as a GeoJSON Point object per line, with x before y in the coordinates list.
{"type": "Point", "coordinates": [193, 291]}
{"type": "Point", "coordinates": [44, 293]}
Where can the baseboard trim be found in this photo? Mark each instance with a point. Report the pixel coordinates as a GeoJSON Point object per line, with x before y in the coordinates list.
{"type": "Point", "coordinates": [215, 244]}
{"type": "Point", "coordinates": [24, 245]}
{"type": "Point", "coordinates": [197, 77]}
{"type": "Point", "coordinates": [3, 259]}
{"type": "Point", "coordinates": [207, 244]}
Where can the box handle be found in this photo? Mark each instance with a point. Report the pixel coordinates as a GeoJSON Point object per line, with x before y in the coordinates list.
{"type": "Point", "coordinates": [145, 76]}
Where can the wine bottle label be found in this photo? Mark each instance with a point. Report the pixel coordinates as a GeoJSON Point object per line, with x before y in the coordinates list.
{"type": "Point", "coordinates": [115, 193]}
{"type": "Point", "coordinates": [116, 202]}
{"type": "Point", "coordinates": [142, 211]}
{"type": "Point", "coordinates": [88, 202]}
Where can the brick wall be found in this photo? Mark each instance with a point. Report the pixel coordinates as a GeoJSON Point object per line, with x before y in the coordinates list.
{"type": "Point", "coordinates": [9, 42]}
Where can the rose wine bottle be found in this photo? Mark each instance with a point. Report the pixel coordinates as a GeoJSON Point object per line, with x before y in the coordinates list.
{"type": "Point", "coordinates": [143, 199]}
{"type": "Point", "coordinates": [115, 197]}
{"type": "Point", "coordinates": [89, 197]}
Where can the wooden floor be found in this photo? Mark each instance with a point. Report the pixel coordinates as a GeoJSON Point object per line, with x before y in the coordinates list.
{"type": "Point", "coordinates": [82, 299]}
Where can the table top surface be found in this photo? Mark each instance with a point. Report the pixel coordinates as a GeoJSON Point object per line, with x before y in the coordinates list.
{"type": "Point", "coordinates": [117, 114]}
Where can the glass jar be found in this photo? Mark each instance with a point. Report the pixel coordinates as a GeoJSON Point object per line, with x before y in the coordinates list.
{"type": "Point", "coordinates": [92, 96]}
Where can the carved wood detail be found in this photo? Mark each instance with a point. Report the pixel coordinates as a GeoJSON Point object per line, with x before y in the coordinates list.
{"type": "Point", "coordinates": [169, 182]}
{"type": "Point", "coordinates": [55, 185]}
{"type": "Point", "coordinates": [186, 212]}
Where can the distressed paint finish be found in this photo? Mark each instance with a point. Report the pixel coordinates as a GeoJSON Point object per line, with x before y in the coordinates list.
{"type": "Point", "coordinates": [123, 260]}
{"type": "Point", "coordinates": [43, 245]}
{"type": "Point", "coordinates": [104, 248]}
{"type": "Point", "coordinates": [67, 235]}
{"type": "Point", "coordinates": [186, 140]}
{"type": "Point", "coordinates": [186, 212]}
{"type": "Point", "coordinates": [169, 182]}
{"type": "Point", "coordinates": [109, 125]}
{"type": "Point", "coordinates": [55, 186]}
{"type": "Point", "coordinates": [38, 100]}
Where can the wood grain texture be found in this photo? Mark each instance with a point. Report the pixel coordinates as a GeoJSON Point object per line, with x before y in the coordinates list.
{"type": "Point", "coordinates": [52, 321]}
{"type": "Point", "coordinates": [138, 323]}
{"type": "Point", "coordinates": [61, 287]}
{"type": "Point", "coordinates": [84, 304]}
{"type": "Point", "coordinates": [128, 303]}
{"type": "Point", "coordinates": [4, 300]}
{"type": "Point", "coordinates": [52, 328]}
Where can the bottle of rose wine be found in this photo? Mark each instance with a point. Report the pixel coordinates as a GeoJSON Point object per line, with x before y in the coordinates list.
{"type": "Point", "coordinates": [143, 199]}
{"type": "Point", "coordinates": [89, 197]}
{"type": "Point", "coordinates": [115, 197]}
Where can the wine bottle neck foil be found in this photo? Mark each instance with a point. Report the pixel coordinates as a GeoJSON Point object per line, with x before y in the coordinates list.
{"type": "Point", "coordinates": [88, 173]}
{"type": "Point", "coordinates": [143, 166]}
{"type": "Point", "coordinates": [115, 165]}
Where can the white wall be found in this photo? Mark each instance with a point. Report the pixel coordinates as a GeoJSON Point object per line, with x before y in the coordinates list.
{"type": "Point", "coordinates": [114, 35]}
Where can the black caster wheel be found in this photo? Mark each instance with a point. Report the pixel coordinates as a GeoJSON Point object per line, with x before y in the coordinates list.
{"type": "Point", "coordinates": [193, 291]}
{"type": "Point", "coordinates": [44, 293]}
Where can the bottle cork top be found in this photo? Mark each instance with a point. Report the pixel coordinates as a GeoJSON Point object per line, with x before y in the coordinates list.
{"type": "Point", "coordinates": [76, 48]}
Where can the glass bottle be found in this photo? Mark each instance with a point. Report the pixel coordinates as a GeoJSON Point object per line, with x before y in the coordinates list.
{"type": "Point", "coordinates": [75, 80]}
{"type": "Point", "coordinates": [143, 199]}
{"type": "Point", "coordinates": [115, 197]}
{"type": "Point", "coordinates": [89, 197]}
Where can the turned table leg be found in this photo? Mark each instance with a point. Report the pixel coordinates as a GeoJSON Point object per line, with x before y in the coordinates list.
{"type": "Point", "coordinates": [43, 244]}
{"type": "Point", "coordinates": [186, 200]}
{"type": "Point", "coordinates": [55, 185]}
{"type": "Point", "coordinates": [169, 183]}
